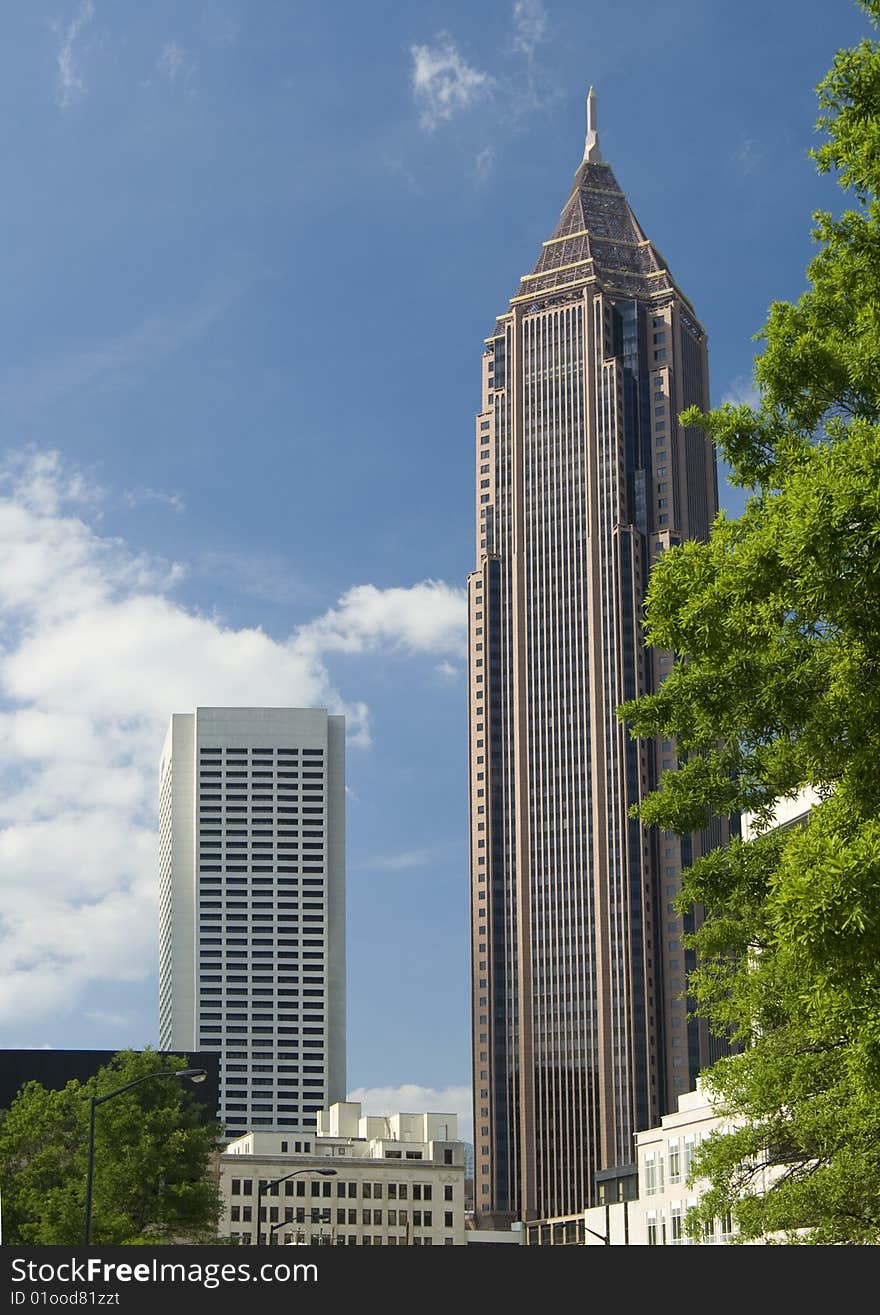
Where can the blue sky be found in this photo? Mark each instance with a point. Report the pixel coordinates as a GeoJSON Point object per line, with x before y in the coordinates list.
{"type": "Point", "coordinates": [250, 253]}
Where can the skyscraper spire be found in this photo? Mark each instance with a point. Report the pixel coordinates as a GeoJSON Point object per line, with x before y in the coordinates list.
{"type": "Point", "coordinates": [591, 148]}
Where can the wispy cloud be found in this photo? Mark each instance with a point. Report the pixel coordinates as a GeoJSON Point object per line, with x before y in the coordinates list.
{"type": "Point", "coordinates": [174, 64]}
{"type": "Point", "coordinates": [115, 359]}
{"type": "Point", "coordinates": [95, 654]}
{"type": "Point", "coordinates": [743, 391]}
{"type": "Point", "coordinates": [71, 83]}
{"type": "Point", "coordinates": [749, 155]}
{"type": "Point", "coordinates": [444, 84]}
{"type": "Point", "coordinates": [484, 164]}
{"type": "Point", "coordinates": [137, 497]}
{"type": "Point", "coordinates": [395, 165]}
{"type": "Point", "coordinates": [446, 87]}
{"type": "Point", "coordinates": [529, 26]}
{"type": "Point", "coordinates": [219, 27]}
{"type": "Point", "coordinates": [253, 575]}
{"type": "Point", "coordinates": [406, 860]}
{"type": "Point", "coordinates": [529, 90]}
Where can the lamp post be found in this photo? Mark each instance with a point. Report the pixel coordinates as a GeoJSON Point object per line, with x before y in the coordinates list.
{"type": "Point", "coordinates": [290, 1223]}
{"type": "Point", "coordinates": [327, 1173]}
{"type": "Point", "coordinates": [194, 1074]}
{"type": "Point", "coordinates": [283, 1223]}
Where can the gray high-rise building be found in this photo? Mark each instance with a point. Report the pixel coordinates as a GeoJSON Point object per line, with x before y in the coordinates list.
{"type": "Point", "coordinates": [583, 477]}
{"type": "Point", "coordinates": [252, 907]}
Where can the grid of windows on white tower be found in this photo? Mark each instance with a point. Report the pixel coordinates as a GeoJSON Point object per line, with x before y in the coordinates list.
{"type": "Point", "coordinates": [252, 881]}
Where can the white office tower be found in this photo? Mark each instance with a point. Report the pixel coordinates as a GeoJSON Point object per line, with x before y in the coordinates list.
{"type": "Point", "coordinates": [252, 907]}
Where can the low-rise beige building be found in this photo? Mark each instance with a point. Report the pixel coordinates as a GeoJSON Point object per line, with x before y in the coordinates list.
{"type": "Point", "coordinates": [665, 1154]}
{"type": "Point", "coordinates": [359, 1180]}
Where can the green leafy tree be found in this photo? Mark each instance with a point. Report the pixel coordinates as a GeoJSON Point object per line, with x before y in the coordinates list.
{"type": "Point", "coordinates": [775, 622]}
{"type": "Point", "coordinates": [154, 1153]}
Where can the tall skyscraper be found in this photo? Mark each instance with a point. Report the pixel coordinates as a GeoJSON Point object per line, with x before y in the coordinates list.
{"type": "Point", "coordinates": [583, 476]}
{"type": "Point", "coordinates": [252, 907]}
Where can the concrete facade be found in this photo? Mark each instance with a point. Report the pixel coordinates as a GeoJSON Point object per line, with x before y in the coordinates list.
{"type": "Point", "coordinates": [787, 813]}
{"type": "Point", "coordinates": [252, 907]}
{"type": "Point", "coordinates": [512, 1236]}
{"type": "Point", "coordinates": [396, 1180]}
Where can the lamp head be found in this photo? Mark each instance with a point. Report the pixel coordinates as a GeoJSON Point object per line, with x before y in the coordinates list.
{"type": "Point", "coordinates": [194, 1074]}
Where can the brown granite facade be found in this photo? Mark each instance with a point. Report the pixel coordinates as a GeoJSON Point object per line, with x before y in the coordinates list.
{"type": "Point", "coordinates": [583, 476]}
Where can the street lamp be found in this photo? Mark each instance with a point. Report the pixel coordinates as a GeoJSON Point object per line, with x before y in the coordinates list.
{"type": "Point", "coordinates": [290, 1223]}
{"type": "Point", "coordinates": [194, 1074]}
{"type": "Point", "coordinates": [327, 1173]}
{"type": "Point", "coordinates": [283, 1223]}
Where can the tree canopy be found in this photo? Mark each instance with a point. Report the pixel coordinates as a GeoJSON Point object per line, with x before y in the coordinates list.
{"type": "Point", "coordinates": [775, 623]}
{"type": "Point", "coordinates": [153, 1155]}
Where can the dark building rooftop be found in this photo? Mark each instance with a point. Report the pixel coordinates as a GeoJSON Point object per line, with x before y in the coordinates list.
{"type": "Point", "coordinates": [53, 1069]}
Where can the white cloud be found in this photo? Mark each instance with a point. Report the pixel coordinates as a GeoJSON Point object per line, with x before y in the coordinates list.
{"type": "Point", "coordinates": [136, 498]}
{"type": "Point", "coordinates": [43, 483]}
{"type": "Point", "coordinates": [173, 63]}
{"type": "Point", "coordinates": [529, 26]}
{"type": "Point", "coordinates": [743, 392]}
{"type": "Point", "coordinates": [484, 164]}
{"type": "Point", "coordinates": [749, 155]}
{"type": "Point", "coordinates": [443, 84]}
{"type": "Point", "coordinates": [71, 83]}
{"type": "Point", "coordinates": [427, 618]}
{"type": "Point", "coordinates": [95, 654]}
{"type": "Point", "coordinates": [409, 1098]}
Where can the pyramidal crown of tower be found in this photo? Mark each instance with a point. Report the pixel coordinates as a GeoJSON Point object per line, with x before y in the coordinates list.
{"type": "Point", "coordinates": [597, 238]}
